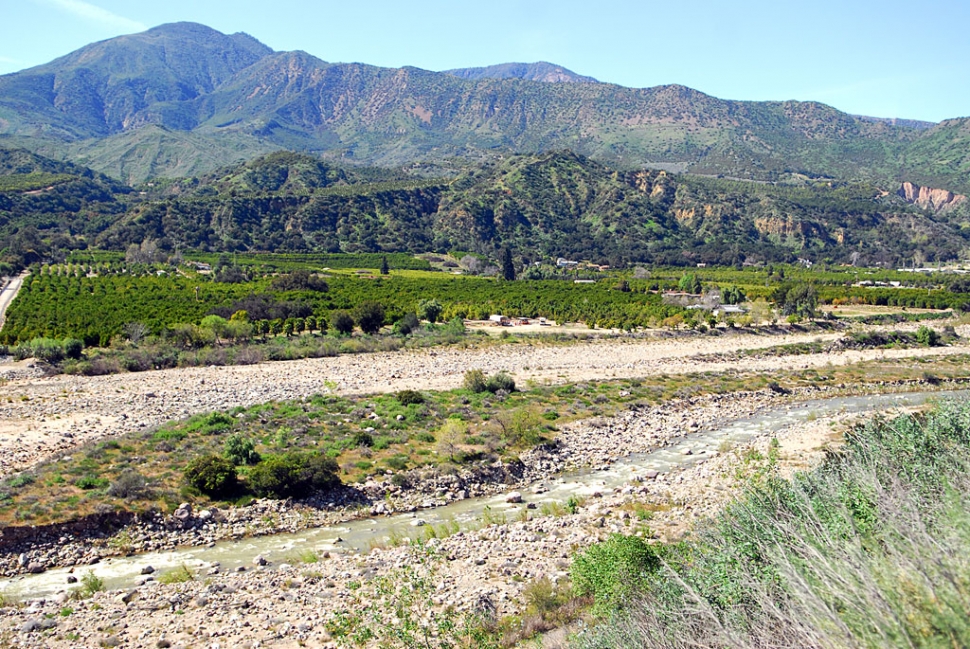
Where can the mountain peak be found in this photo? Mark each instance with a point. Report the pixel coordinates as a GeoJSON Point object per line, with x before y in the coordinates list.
{"type": "Point", "coordinates": [539, 71]}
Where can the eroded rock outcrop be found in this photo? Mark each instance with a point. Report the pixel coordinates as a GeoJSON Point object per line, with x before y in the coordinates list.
{"type": "Point", "coordinates": [929, 198]}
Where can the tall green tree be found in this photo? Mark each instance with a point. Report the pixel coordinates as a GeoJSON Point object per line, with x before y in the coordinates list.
{"type": "Point", "coordinates": [508, 267]}
{"type": "Point", "coordinates": [385, 269]}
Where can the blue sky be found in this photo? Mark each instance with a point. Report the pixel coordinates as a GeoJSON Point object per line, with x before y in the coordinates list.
{"type": "Point", "coordinates": [887, 59]}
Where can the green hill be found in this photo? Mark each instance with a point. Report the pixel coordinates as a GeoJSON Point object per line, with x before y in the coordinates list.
{"type": "Point", "coordinates": [543, 206]}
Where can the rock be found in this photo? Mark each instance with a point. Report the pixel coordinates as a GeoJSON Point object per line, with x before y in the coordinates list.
{"type": "Point", "coordinates": [35, 567]}
{"type": "Point", "coordinates": [30, 626]}
{"type": "Point", "coordinates": [259, 560]}
{"type": "Point", "coordinates": [110, 641]}
{"type": "Point", "coordinates": [147, 570]}
{"type": "Point", "coordinates": [418, 522]}
{"type": "Point", "coordinates": [163, 644]}
{"type": "Point", "coordinates": [127, 598]}
{"type": "Point", "coordinates": [651, 474]}
{"type": "Point", "coordinates": [71, 579]}
{"type": "Point", "coordinates": [514, 498]}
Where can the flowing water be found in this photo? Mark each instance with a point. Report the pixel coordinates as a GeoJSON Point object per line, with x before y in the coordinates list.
{"type": "Point", "coordinates": [360, 535]}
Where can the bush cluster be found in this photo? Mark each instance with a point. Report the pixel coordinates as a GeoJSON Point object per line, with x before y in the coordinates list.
{"type": "Point", "coordinates": [476, 381]}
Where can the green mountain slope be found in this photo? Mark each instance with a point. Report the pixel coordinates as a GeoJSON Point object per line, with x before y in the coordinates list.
{"type": "Point", "coordinates": [543, 206]}
{"type": "Point", "coordinates": [183, 99]}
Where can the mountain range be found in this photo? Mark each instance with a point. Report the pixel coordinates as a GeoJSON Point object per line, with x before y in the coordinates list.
{"type": "Point", "coordinates": [183, 99]}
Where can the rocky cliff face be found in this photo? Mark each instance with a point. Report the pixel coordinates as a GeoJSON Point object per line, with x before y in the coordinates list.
{"type": "Point", "coordinates": [929, 198]}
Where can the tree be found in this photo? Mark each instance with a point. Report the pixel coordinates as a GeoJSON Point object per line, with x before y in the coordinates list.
{"type": "Point", "coordinates": [288, 327]}
{"type": "Point", "coordinates": [212, 475]}
{"type": "Point", "coordinates": [732, 295]}
{"type": "Point", "coordinates": [508, 267]}
{"type": "Point", "coordinates": [369, 316]}
{"type": "Point", "coordinates": [293, 475]}
{"type": "Point", "coordinates": [241, 450]}
{"type": "Point", "coordinates": [342, 322]}
{"type": "Point", "coordinates": [311, 323]}
{"type": "Point", "coordinates": [799, 300]}
{"type": "Point", "coordinates": [690, 284]}
{"type": "Point", "coordinates": [135, 331]}
{"type": "Point", "coordinates": [406, 325]}
{"type": "Point", "coordinates": [385, 269]}
{"type": "Point", "coordinates": [449, 436]}
{"type": "Point", "coordinates": [215, 324]}
{"type": "Point", "coordinates": [430, 310]}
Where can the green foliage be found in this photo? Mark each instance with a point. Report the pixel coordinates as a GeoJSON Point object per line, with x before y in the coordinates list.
{"type": "Point", "coordinates": [799, 300]}
{"type": "Point", "coordinates": [429, 310]}
{"type": "Point", "coordinates": [241, 450]}
{"type": "Point", "coordinates": [613, 570]}
{"type": "Point", "coordinates": [342, 322]}
{"type": "Point", "coordinates": [732, 295]}
{"type": "Point", "coordinates": [409, 397]}
{"type": "Point", "coordinates": [407, 325]}
{"type": "Point", "coordinates": [862, 551]}
{"type": "Point", "coordinates": [293, 475]}
{"type": "Point", "coordinates": [690, 284]}
{"type": "Point", "coordinates": [927, 336]}
{"type": "Point", "coordinates": [182, 574]}
{"type": "Point", "coordinates": [369, 316]}
{"type": "Point", "coordinates": [500, 381]}
{"type": "Point", "coordinates": [474, 381]}
{"type": "Point", "coordinates": [212, 475]}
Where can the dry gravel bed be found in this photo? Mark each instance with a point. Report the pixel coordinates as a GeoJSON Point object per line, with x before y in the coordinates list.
{"type": "Point", "coordinates": [40, 417]}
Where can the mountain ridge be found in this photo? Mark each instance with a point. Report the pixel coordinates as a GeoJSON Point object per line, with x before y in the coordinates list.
{"type": "Point", "coordinates": [232, 93]}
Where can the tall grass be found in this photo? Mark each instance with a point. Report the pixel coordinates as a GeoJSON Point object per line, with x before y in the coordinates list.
{"type": "Point", "coordinates": [871, 549]}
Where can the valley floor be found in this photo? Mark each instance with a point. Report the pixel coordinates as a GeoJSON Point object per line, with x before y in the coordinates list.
{"type": "Point", "coordinates": [40, 417]}
{"type": "Point", "coordinates": [290, 607]}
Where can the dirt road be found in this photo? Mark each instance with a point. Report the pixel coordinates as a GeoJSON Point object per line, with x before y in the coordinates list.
{"type": "Point", "coordinates": [10, 289]}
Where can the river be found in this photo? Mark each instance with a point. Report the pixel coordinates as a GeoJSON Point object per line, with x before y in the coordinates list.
{"type": "Point", "coordinates": [360, 535]}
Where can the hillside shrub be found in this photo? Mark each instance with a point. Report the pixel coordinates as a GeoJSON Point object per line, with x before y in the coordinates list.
{"type": "Point", "coordinates": [240, 450]}
{"type": "Point", "coordinates": [500, 381]}
{"type": "Point", "coordinates": [212, 475]}
{"type": "Point", "coordinates": [409, 397]}
{"type": "Point", "coordinates": [927, 336]}
{"type": "Point", "coordinates": [474, 381]}
{"type": "Point", "coordinates": [130, 485]}
{"type": "Point", "coordinates": [293, 475]}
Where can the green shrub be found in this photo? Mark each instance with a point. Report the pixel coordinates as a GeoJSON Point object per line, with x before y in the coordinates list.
{"type": "Point", "coordinates": [927, 336]}
{"type": "Point", "coordinates": [612, 570]}
{"type": "Point", "coordinates": [89, 482]}
{"type": "Point", "coordinates": [293, 475]}
{"type": "Point", "coordinates": [474, 381]}
{"type": "Point", "coordinates": [409, 397]}
{"type": "Point", "coordinates": [500, 381]}
{"type": "Point", "coordinates": [363, 438]}
{"type": "Point", "coordinates": [73, 348]}
{"type": "Point", "coordinates": [130, 485]}
{"type": "Point", "coordinates": [406, 325]}
{"type": "Point", "coordinates": [240, 450]}
{"type": "Point", "coordinates": [212, 475]}
{"type": "Point", "coordinates": [342, 322]}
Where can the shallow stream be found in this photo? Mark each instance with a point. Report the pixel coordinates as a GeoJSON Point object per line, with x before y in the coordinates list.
{"type": "Point", "coordinates": [360, 535]}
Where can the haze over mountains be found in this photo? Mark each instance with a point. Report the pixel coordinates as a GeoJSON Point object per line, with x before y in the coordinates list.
{"type": "Point", "coordinates": [183, 99]}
